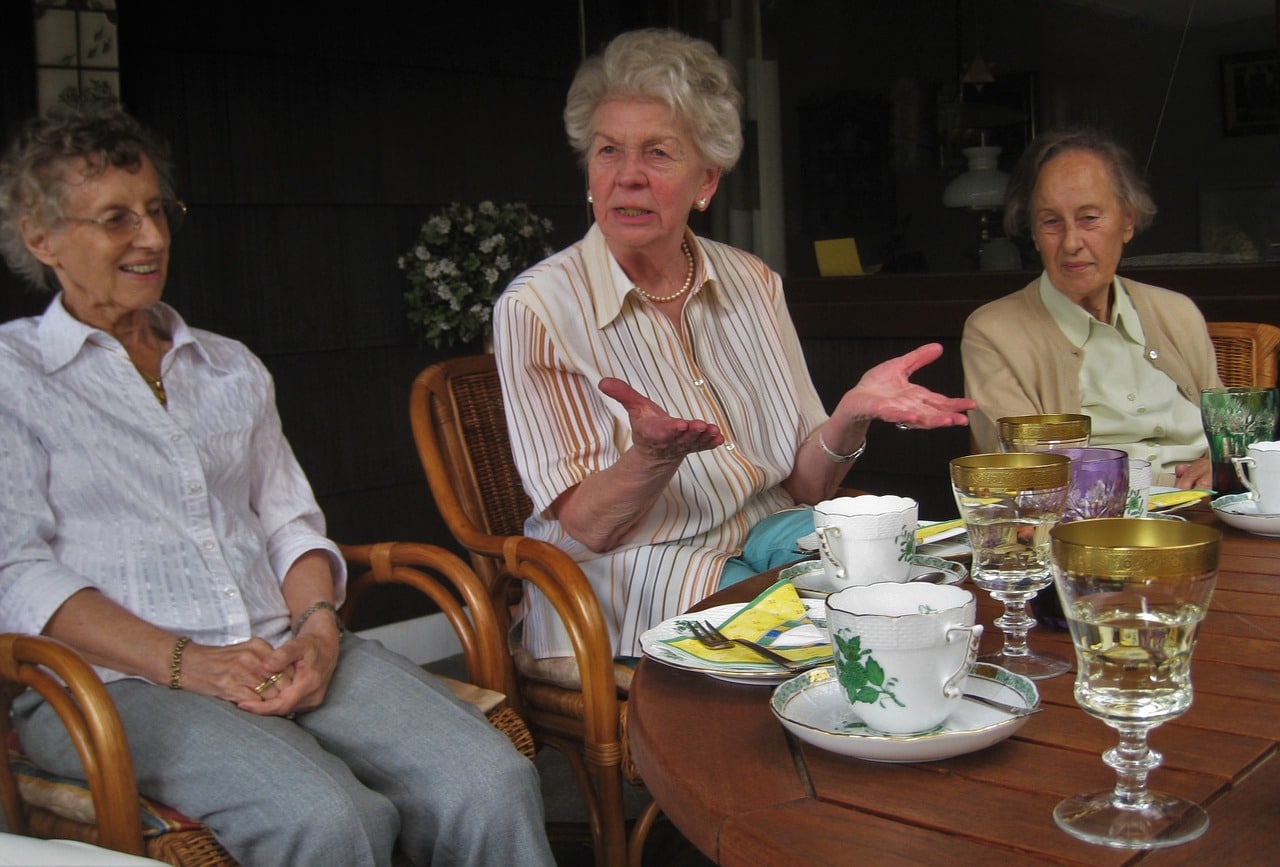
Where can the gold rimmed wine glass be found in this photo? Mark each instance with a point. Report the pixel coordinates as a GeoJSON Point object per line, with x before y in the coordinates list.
{"type": "Point", "coordinates": [1134, 592]}
{"type": "Point", "coordinates": [1038, 433]}
{"type": "Point", "coordinates": [1009, 502]}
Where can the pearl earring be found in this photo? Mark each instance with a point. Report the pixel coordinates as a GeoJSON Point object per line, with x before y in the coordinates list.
{"type": "Point", "coordinates": [702, 204]}
{"type": "Point", "coordinates": [590, 198]}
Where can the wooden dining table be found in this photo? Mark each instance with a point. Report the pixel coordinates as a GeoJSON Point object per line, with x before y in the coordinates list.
{"type": "Point", "coordinates": [745, 792]}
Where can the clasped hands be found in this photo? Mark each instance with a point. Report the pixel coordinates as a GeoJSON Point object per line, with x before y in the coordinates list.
{"type": "Point", "coordinates": [263, 680]}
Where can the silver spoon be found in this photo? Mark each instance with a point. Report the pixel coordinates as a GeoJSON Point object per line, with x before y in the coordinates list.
{"type": "Point", "coordinates": [1011, 709]}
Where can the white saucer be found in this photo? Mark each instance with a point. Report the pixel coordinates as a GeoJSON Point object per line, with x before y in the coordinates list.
{"type": "Point", "coordinates": [1241, 512]}
{"type": "Point", "coordinates": [811, 581]}
{"type": "Point", "coordinates": [813, 707]}
{"type": "Point", "coordinates": [652, 642]}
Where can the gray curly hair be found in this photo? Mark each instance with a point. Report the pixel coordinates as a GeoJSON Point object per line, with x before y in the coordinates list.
{"type": "Point", "coordinates": [32, 172]}
{"type": "Point", "coordinates": [1126, 180]}
{"type": "Point", "coordinates": [665, 66]}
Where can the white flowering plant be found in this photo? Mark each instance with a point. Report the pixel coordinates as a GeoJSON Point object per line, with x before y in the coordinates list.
{"type": "Point", "coordinates": [463, 258]}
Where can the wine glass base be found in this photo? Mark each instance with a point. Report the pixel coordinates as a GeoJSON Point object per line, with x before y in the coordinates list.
{"type": "Point", "coordinates": [1165, 821]}
{"type": "Point", "coordinates": [1037, 666]}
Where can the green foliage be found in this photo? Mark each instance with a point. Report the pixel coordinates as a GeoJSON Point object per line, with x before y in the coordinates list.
{"type": "Point", "coordinates": [463, 258]}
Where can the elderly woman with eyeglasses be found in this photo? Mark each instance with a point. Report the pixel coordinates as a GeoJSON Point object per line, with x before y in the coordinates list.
{"type": "Point", "coordinates": [662, 416]}
{"type": "Point", "coordinates": [154, 518]}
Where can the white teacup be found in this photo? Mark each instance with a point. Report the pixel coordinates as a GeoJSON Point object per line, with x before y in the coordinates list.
{"type": "Point", "coordinates": [866, 539]}
{"type": "Point", "coordinates": [1260, 473]}
{"type": "Point", "coordinates": [1135, 505]}
{"type": "Point", "coordinates": [903, 651]}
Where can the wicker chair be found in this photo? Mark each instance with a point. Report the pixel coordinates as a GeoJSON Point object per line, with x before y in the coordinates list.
{"type": "Point", "coordinates": [461, 432]}
{"type": "Point", "coordinates": [1246, 353]}
{"type": "Point", "coordinates": [109, 814]}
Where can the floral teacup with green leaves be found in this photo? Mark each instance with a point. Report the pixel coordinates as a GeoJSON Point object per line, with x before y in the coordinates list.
{"type": "Point", "coordinates": [866, 539]}
{"type": "Point", "coordinates": [903, 652]}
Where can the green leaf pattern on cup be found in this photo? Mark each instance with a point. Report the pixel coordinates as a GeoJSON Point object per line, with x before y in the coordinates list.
{"type": "Point", "coordinates": [863, 679]}
{"type": "Point", "coordinates": [906, 543]}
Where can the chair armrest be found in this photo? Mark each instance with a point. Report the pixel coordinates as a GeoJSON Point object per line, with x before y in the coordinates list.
{"type": "Point", "coordinates": [562, 583]}
{"type": "Point", "coordinates": [85, 708]}
{"type": "Point", "coordinates": [451, 584]}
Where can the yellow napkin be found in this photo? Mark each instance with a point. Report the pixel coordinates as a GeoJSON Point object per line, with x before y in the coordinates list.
{"type": "Point", "coordinates": [1169, 499]}
{"type": "Point", "coordinates": [766, 620]}
{"type": "Point", "coordinates": [930, 530]}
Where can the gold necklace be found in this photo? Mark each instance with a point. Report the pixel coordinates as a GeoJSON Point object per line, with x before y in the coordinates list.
{"type": "Point", "coordinates": [688, 281]}
{"type": "Point", "coordinates": [157, 388]}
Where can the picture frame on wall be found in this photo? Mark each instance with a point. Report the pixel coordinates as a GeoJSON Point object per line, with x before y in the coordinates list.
{"type": "Point", "coordinates": [1251, 93]}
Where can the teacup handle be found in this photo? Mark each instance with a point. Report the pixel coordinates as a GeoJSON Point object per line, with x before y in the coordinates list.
{"type": "Point", "coordinates": [1243, 474]}
{"type": "Point", "coordinates": [827, 550]}
{"type": "Point", "coordinates": [955, 684]}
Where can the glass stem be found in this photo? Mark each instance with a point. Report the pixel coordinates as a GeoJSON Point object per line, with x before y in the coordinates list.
{"type": "Point", "coordinates": [1132, 761]}
{"type": "Point", "coordinates": [1014, 623]}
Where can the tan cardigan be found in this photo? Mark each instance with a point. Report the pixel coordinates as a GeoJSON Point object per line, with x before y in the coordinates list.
{"type": "Point", "coordinates": [1017, 361]}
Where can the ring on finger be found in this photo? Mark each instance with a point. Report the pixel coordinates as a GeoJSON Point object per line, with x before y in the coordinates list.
{"type": "Point", "coordinates": [270, 681]}
{"type": "Point", "coordinates": [902, 425]}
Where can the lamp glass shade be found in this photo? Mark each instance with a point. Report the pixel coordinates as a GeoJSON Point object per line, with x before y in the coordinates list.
{"type": "Point", "coordinates": [982, 186]}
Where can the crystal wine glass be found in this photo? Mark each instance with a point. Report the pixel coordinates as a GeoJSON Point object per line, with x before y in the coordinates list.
{"type": "Point", "coordinates": [1134, 591]}
{"type": "Point", "coordinates": [1009, 502]}
{"type": "Point", "coordinates": [1038, 433]}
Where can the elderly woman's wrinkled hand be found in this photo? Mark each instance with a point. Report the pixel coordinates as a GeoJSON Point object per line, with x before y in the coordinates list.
{"type": "Point", "coordinates": [657, 434]}
{"type": "Point", "coordinates": [1198, 474]}
{"type": "Point", "coordinates": [238, 673]}
{"type": "Point", "coordinates": [886, 392]}
{"type": "Point", "coordinates": [311, 659]}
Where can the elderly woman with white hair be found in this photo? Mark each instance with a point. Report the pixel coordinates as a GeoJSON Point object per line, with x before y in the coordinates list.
{"type": "Point", "coordinates": [662, 416]}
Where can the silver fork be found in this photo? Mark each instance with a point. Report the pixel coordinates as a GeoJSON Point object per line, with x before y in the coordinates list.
{"type": "Point", "coordinates": [713, 638]}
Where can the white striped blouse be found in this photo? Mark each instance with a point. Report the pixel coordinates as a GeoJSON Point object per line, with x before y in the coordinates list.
{"type": "Point", "coordinates": [576, 318]}
{"type": "Point", "coordinates": [188, 517]}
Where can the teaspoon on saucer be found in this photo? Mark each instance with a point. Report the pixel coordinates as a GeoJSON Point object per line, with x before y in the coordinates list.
{"type": "Point", "coordinates": [1011, 709]}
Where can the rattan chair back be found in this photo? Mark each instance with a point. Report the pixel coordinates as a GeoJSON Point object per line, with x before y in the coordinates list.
{"type": "Point", "coordinates": [1246, 353]}
{"type": "Point", "coordinates": [460, 430]}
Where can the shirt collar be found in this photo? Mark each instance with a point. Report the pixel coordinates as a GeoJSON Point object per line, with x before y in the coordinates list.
{"type": "Point", "coordinates": [610, 287]}
{"type": "Point", "coordinates": [1076, 323]}
{"type": "Point", "coordinates": [61, 335]}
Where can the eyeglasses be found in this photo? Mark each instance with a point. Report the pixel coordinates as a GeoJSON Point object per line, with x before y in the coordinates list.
{"type": "Point", "coordinates": [122, 222]}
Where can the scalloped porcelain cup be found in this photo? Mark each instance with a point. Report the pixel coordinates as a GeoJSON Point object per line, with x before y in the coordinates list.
{"type": "Point", "coordinates": [1260, 473]}
{"type": "Point", "coordinates": [866, 539]}
{"type": "Point", "coordinates": [903, 652]}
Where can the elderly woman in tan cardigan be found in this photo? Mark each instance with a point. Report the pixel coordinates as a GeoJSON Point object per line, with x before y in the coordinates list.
{"type": "Point", "coordinates": [1081, 339]}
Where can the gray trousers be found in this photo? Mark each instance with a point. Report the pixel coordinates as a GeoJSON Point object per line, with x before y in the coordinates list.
{"type": "Point", "coordinates": [390, 755]}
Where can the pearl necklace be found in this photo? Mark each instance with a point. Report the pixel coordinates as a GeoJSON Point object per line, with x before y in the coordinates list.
{"type": "Point", "coordinates": [688, 281]}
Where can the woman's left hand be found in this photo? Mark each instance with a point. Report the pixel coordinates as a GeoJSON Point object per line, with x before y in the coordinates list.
{"type": "Point", "coordinates": [308, 662]}
{"type": "Point", "coordinates": [886, 392]}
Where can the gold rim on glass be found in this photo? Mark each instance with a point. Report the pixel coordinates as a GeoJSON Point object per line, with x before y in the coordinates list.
{"type": "Point", "coordinates": [1011, 471]}
{"type": "Point", "coordinates": [1140, 548]}
{"type": "Point", "coordinates": [1051, 427]}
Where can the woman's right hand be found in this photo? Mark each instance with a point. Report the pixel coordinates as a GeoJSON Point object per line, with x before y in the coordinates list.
{"type": "Point", "coordinates": [602, 509]}
{"type": "Point", "coordinates": [233, 673]}
{"type": "Point", "coordinates": [655, 433]}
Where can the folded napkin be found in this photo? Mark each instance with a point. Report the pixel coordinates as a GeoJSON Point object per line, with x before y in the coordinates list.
{"type": "Point", "coordinates": [1169, 499]}
{"type": "Point", "coordinates": [939, 530]}
{"type": "Point", "coordinates": [776, 619]}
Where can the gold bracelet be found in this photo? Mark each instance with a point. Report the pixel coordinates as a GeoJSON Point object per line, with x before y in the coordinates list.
{"type": "Point", "coordinates": [312, 609]}
{"type": "Point", "coordinates": [175, 662]}
{"type": "Point", "coordinates": [838, 458]}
